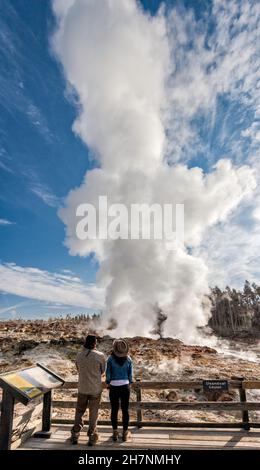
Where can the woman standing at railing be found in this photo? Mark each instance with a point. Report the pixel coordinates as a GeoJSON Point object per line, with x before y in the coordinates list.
{"type": "Point", "coordinates": [119, 376]}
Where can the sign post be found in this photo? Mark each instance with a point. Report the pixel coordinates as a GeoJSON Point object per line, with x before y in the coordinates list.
{"type": "Point", "coordinates": [46, 417]}
{"type": "Point", "coordinates": [7, 412]}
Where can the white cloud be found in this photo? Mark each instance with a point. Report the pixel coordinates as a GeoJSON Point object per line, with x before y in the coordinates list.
{"type": "Point", "coordinates": [43, 192]}
{"type": "Point", "coordinates": [11, 308]}
{"type": "Point", "coordinates": [5, 160]}
{"type": "Point", "coordinates": [232, 249]}
{"type": "Point", "coordinates": [15, 64]}
{"type": "Point", "coordinates": [232, 254]}
{"type": "Point", "coordinates": [34, 283]}
{"type": "Point", "coordinates": [207, 63]}
{"type": "Point", "coordinates": [6, 222]}
{"type": "Point", "coordinates": [38, 120]}
{"type": "Point", "coordinates": [253, 132]}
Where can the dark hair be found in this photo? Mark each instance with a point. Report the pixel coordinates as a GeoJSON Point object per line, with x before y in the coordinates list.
{"type": "Point", "coordinates": [120, 360]}
{"type": "Point", "coordinates": [90, 342]}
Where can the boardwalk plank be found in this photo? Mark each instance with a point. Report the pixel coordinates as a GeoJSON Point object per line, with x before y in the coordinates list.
{"type": "Point", "coordinates": [152, 438]}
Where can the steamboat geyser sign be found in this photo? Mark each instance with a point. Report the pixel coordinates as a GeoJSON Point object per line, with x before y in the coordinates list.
{"type": "Point", "coordinates": [215, 385]}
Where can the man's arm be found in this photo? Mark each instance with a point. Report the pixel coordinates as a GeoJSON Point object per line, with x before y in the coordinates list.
{"type": "Point", "coordinates": [77, 362]}
{"type": "Point", "coordinates": [103, 364]}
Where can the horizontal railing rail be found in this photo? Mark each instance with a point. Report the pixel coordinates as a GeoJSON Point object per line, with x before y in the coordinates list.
{"type": "Point", "coordinates": [139, 405]}
{"type": "Point", "coordinates": [173, 385]}
{"type": "Point", "coordinates": [169, 405]}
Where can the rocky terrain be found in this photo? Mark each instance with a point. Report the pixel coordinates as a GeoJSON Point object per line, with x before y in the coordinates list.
{"type": "Point", "coordinates": [56, 343]}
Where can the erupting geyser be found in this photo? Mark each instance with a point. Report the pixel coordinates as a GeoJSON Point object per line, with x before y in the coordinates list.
{"type": "Point", "coordinates": [119, 62]}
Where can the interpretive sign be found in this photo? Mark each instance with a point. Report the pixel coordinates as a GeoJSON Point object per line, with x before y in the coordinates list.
{"type": "Point", "coordinates": [24, 386]}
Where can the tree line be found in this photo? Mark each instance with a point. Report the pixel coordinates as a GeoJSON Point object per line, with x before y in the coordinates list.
{"type": "Point", "coordinates": [235, 311]}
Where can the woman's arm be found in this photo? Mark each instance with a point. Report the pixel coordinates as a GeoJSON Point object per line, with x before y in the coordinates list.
{"type": "Point", "coordinates": [108, 371]}
{"type": "Point", "coordinates": [130, 371]}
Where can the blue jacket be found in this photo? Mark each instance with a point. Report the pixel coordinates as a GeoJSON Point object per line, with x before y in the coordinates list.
{"type": "Point", "coordinates": [116, 372]}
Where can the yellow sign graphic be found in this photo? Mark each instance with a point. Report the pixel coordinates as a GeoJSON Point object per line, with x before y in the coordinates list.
{"type": "Point", "coordinates": [23, 385]}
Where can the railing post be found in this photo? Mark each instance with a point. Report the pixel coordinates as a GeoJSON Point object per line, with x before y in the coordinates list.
{"type": "Point", "coordinates": [138, 400]}
{"type": "Point", "coordinates": [6, 424]}
{"type": "Point", "coordinates": [245, 414]}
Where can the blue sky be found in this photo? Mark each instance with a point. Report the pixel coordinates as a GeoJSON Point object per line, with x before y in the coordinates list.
{"type": "Point", "coordinates": [42, 159]}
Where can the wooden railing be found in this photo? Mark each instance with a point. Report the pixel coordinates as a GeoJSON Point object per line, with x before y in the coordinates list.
{"type": "Point", "coordinates": [139, 405]}
{"type": "Point", "coordinates": [29, 421]}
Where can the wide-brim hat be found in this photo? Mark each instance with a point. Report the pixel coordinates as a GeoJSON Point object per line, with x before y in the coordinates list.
{"type": "Point", "coordinates": [120, 348]}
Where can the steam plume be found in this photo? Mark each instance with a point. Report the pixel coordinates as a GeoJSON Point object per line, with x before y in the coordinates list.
{"type": "Point", "coordinates": [118, 60]}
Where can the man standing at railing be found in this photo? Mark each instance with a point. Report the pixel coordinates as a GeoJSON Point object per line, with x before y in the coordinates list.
{"type": "Point", "coordinates": [91, 366]}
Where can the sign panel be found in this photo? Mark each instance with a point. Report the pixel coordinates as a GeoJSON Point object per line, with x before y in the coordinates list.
{"type": "Point", "coordinates": [30, 383]}
{"type": "Point", "coordinates": [215, 385]}
{"type": "Point", "coordinates": [41, 379]}
{"type": "Point", "coordinates": [20, 383]}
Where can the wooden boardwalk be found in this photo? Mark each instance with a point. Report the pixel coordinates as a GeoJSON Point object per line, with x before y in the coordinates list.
{"type": "Point", "coordinates": [153, 435]}
{"type": "Point", "coordinates": [152, 438]}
